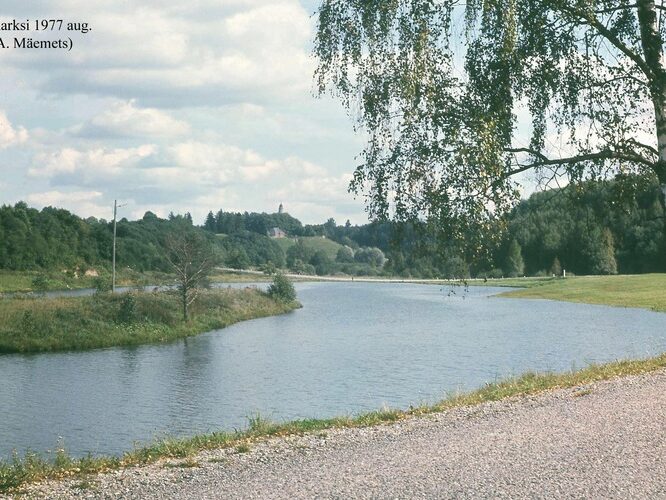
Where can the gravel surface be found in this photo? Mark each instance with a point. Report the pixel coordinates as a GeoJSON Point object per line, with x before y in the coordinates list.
{"type": "Point", "coordinates": [604, 440]}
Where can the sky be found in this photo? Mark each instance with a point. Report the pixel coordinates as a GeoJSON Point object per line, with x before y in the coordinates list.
{"type": "Point", "coordinates": [176, 106]}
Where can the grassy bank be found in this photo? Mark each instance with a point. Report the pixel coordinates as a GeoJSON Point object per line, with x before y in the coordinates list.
{"type": "Point", "coordinates": [32, 467]}
{"type": "Point", "coordinates": [104, 320]}
{"type": "Point", "coordinates": [39, 281]}
{"type": "Point", "coordinates": [646, 291]}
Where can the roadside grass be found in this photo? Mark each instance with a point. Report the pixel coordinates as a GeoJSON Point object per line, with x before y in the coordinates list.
{"type": "Point", "coordinates": [643, 291]}
{"type": "Point", "coordinates": [23, 281]}
{"type": "Point", "coordinates": [239, 277]}
{"type": "Point", "coordinates": [33, 468]}
{"type": "Point", "coordinates": [34, 324]}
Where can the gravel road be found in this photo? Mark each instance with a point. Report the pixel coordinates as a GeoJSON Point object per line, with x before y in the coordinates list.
{"type": "Point", "coordinates": [604, 440]}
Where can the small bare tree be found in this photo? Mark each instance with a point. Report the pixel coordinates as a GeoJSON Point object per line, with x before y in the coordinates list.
{"type": "Point", "coordinates": [192, 259]}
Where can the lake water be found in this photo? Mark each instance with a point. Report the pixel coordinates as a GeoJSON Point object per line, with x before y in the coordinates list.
{"type": "Point", "coordinates": [353, 347]}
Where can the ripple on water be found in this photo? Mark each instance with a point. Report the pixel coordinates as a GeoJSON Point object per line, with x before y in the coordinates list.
{"type": "Point", "coordinates": [353, 347]}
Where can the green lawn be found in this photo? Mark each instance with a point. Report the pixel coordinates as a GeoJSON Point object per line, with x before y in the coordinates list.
{"type": "Point", "coordinates": [315, 242]}
{"type": "Point", "coordinates": [646, 291]}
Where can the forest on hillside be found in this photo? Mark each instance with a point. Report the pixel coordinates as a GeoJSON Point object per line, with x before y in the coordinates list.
{"type": "Point", "coordinates": [597, 228]}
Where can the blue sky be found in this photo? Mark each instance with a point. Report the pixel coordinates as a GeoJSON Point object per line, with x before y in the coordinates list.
{"type": "Point", "coordinates": [170, 105]}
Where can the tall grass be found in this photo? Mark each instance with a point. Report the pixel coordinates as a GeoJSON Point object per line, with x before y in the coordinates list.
{"type": "Point", "coordinates": [49, 324]}
{"type": "Point", "coordinates": [24, 281]}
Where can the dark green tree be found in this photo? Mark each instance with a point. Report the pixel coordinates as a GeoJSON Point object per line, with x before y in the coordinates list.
{"type": "Point", "coordinates": [599, 249]}
{"type": "Point", "coordinates": [556, 267]}
{"type": "Point", "coordinates": [237, 259]}
{"type": "Point", "coordinates": [345, 254]}
{"type": "Point", "coordinates": [282, 289]}
{"type": "Point", "coordinates": [299, 252]}
{"type": "Point", "coordinates": [515, 266]}
{"type": "Point", "coordinates": [322, 263]}
{"type": "Point", "coordinates": [210, 224]}
{"type": "Point", "coordinates": [370, 255]}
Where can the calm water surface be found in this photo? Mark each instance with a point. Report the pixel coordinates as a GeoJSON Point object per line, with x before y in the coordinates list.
{"type": "Point", "coordinates": [353, 347]}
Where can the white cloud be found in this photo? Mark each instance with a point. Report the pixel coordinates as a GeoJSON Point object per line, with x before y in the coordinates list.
{"type": "Point", "coordinates": [173, 55]}
{"type": "Point", "coordinates": [56, 197]}
{"type": "Point", "coordinates": [97, 162]}
{"type": "Point", "coordinates": [82, 203]}
{"type": "Point", "coordinates": [10, 136]}
{"type": "Point", "coordinates": [170, 105]}
{"type": "Point", "coordinates": [124, 119]}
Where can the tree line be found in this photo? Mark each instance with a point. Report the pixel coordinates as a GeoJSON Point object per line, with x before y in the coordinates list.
{"type": "Point", "coordinates": [602, 227]}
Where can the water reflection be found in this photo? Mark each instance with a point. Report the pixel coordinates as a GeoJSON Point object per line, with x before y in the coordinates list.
{"type": "Point", "coordinates": [353, 347]}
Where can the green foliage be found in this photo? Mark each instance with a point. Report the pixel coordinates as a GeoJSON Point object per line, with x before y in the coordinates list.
{"type": "Point", "coordinates": [515, 266]}
{"type": "Point", "coordinates": [234, 223]}
{"type": "Point", "coordinates": [598, 248]}
{"type": "Point", "coordinates": [56, 240]}
{"type": "Point", "coordinates": [454, 268]}
{"type": "Point", "coordinates": [282, 289]}
{"type": "Point", "coordinates": [40, 283]}
{"type": "Point", "coordinates": [300, 267]}
{"type": "Point", "coordinates": [237, 258]}
{"type": "Point", "coordinates": [102, 285]}
{"type": "Point", "coordinates": [299, 252]}
{"type": "Point", "coordinates": [41, 324]}
{"type": "Point", "coordinates": [443, 138]}
{"type": "Point", "coordinates": [345, 254]}
{"type": "Point", "coordinates": [556, 268]}
{"type": "Point", "coordinates": [268, 268]}
{"type": "Point", "coordinates": [373, 256]}
{"type": "Point", "coordinates": [246, 248]}
{"type": "Point", "coordinates": [592, 229]}
{"type": "Point", "coordinates": [127, 309]}
{"type": "Point", "coordinates": [322, 263]}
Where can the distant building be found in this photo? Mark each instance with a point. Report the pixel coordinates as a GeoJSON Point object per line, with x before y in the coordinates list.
{"type": "Point", "coordinates": [280, 209]}
{"type": "Point", "coordinates": [276, 232]}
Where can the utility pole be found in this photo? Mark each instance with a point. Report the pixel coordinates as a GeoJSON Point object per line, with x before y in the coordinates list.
{"type": "Point", "coordinates": [113, 279]}
{"type": "Point", "coordinates": [115, 212]}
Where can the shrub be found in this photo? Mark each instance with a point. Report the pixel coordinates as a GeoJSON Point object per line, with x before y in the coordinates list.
{"type": "Point", "coordinates": [40, 283]}
{"type": "Point", "coordinates": [496, 273]}
{"type": "Point", "coordinates": [268, 268]}
{"type": "Point", "coordinates": [282, 289]}
{"type": "Point", "coordinates": [127, 311]}
{"type": "Point", "coordinates": [345, 254]}
{"type": "Point", "coordinates": [102, 285]}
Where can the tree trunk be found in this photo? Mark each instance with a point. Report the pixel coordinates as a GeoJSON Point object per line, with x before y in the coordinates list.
{"type": "Point", "coordinates": [652, 45]}
{"type": "Point", "coordinates": [184, 304]}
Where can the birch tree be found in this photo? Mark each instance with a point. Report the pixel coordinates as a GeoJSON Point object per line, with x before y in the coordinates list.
{"type": "Point", "coordinates": [192, 259]}
{"type": "Point", "coordinates": [440, 87]}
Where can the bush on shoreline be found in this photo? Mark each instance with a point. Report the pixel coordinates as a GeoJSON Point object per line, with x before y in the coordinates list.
{"type": "Point", "coordinates": [282, 289]}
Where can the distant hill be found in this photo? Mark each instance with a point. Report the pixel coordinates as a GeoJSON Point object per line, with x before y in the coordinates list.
{"type": "Point", "coordinates": [595, 228]}
{"type": "Point", "coordinates": [315, 243]}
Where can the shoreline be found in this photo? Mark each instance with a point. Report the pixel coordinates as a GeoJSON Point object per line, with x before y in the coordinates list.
{"type": "Point", "coordinates": [32, 325]}
{"type": "Point", "coordinates": [600, 440]}
{"type": "Point", "coordinates": [34, 469]}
